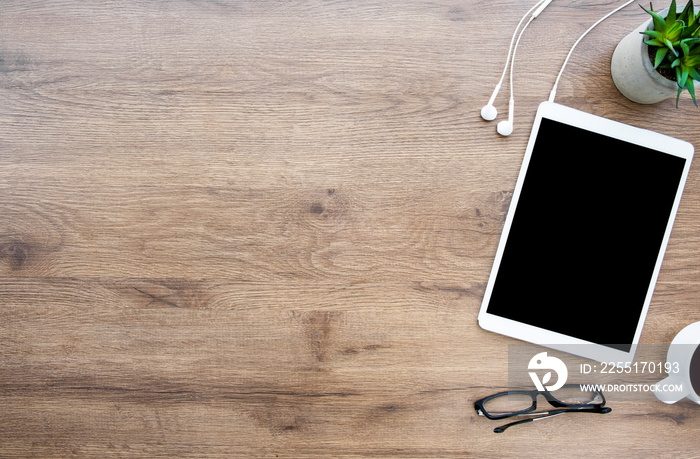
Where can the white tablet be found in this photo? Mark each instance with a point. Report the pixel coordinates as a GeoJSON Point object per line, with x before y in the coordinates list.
{"type": "Point", "coordinates": [585, 234]}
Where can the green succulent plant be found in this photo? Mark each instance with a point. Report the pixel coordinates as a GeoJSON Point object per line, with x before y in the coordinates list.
{"type": "Point", "coordinates": [677, 41]}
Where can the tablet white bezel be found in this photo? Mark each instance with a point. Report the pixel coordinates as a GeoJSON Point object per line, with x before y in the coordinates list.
{"type": "Point", "coordinates": [613, 129]}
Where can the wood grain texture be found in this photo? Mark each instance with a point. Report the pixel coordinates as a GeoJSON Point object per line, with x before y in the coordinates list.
{"type": "Point", "coordinates": [264, 229]}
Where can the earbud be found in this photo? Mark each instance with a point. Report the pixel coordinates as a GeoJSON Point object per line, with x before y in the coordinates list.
{"type": "Point", "coordinates": [489, 112]}
{"type": "Point", "coordinates": [505, 128]}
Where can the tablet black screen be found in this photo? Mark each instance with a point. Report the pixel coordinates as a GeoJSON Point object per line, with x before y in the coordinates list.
{"type": "Point", "coordinates": [586, 235]}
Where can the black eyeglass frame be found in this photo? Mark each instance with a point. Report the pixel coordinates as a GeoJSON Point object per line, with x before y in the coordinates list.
{"type": "Point", "coordinates": [562, 407]}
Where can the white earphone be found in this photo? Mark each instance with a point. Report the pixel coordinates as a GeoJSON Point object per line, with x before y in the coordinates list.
{"type": "Point", "coordinates": [505, 128]}
{"type": "Point", "coordinates": [489, 112]}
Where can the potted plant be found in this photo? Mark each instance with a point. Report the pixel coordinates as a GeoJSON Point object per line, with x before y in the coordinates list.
{"type": "Point", "coordinates": [661, 58]}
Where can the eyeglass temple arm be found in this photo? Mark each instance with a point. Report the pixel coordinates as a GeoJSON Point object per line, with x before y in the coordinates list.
{"type": "Point", "coordinates": [502, 428]}
{"type": "Point", "coordinates": [548, 414]}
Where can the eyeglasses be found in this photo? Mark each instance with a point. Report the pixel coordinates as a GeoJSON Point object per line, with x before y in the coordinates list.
{"type": "Point", "coordinates": [569, 399]}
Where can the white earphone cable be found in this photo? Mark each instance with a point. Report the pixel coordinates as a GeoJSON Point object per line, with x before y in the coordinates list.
{"type": "Point", "coordinates": [505, 128]}
{"type": "Point", "coordinates": [512, 62]}
{"type": "Point", "coordinates": [556, 83]}
{"type": "Point", "coordinates": [510, 50]}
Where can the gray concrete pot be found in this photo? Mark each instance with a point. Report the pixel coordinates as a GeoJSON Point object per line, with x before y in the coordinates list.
{"type": "Point", "coordinates": [634, 74]}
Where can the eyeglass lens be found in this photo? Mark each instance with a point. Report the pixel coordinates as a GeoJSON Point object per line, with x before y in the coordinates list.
{"type": "Point", "coordinates": [576, 396]}
{"type": "Point", "coordinates": [508, 403]}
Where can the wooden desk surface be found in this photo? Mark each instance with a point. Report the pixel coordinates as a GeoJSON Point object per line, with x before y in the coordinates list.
{"type": "Point", "coordinates": [264, 228]}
